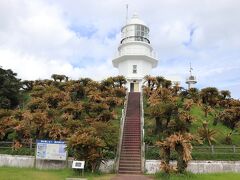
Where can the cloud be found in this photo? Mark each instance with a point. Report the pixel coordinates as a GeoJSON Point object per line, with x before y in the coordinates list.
{"type": "Point", "coordinates": [79, 38]}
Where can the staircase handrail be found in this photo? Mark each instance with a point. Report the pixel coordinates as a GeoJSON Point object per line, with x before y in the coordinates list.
{"type": "Point", "coordinates": [122, 121]}
{"type": "Point", "coordinates": [142, 134]}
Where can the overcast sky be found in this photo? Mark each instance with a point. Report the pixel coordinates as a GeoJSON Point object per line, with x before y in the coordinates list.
{"type": "Point", "coordinates": [80, 37]}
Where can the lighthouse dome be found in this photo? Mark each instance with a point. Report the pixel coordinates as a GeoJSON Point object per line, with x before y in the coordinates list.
{"type": "Point", "coordinates": [135, 20]}
{"type": "Point", "coordinates": [135, 30]}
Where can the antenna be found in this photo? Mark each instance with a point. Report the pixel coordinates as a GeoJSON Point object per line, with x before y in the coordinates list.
{"type": "Point", "coordinates": [190, 69]}
{"type": "Point", "coordinates": [126, 13]}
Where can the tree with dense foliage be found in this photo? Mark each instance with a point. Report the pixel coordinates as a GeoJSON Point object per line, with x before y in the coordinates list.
{"type": "Point", "coordinates": [194, 94]}
{"type": "Point", "coordinates": [76, 111]}
{"type": "Point", "coordinates": [172, 123]}
{"type": "Point", "coordinates": [151, 81]}
{"type": "Point", "coordinates": [209, 96]}
{"type": "Point", "coordinates": [120, 81]}
{"type": "Point", "coordinates": [59, 77]}
{"type": "Point", "coordinates": [161, 108]}
{"type": "Point", "coordinates": [207, 109]}
{"type": "Point", "coordinates": [230, 117]}
{"type": "Point", "coordinates": [9, 89]}
{"type": "Point", "coordinates": [181, 143]}
{"type": "Point", "coordinates": [206, 133]}
{"type": "Point", "coordinates": [225, 94]}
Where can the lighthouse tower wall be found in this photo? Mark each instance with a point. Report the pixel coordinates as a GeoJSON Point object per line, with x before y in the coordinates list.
{"type": "Point", "coordinates": [135, 58]}
{"type": "Point", "coordinates": [135, 68]}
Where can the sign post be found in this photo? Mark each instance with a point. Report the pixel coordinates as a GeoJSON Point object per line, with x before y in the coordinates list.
{"type": "Point", "coordinates": [79, 165]}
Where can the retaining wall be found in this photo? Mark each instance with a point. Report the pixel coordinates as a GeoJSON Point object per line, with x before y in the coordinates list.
{"type": "Point", "coordinates": [16, 161]}
{"type": "Point", "coordinates": [151, 166]}
{"type": "Point", "coordinates": [29, 161]}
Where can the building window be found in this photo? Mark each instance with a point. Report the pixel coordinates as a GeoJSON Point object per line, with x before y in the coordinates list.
{"type": "Point", "coordinates": [134, 69]}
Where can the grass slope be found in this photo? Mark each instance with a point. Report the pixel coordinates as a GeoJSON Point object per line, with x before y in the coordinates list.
{"type": "Point", "coordinates": [221, 130]}
{"type": "Point", "coordinates": [204, 154]}
{"type": "Point", "coordinates": [199, 117]}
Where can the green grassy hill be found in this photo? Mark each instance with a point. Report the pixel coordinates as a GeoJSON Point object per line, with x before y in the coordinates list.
{"type": "Point", "coordinates": [222, 151]}
{"type": "Point", "coordinates": [221, 129]}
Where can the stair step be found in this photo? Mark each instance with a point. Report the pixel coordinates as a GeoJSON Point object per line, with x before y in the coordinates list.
{"type": "Point", "coordinates": [129, 147]}
{"type": "Point", "coordinates": [131, 143]}
{"type": "Point", "coordinates": [128, 168]}
{"type": "Point", "coordinates": [132, 134]}
{"type": "Point", "coordinates": [127, 143]}
{"type": "Point", "coordinates": [130, 156]}
{"type": "Point", "coordinates": [133, 159]}
{"type": "Point", "coordinates": [130, 151]}
{"type": "Point", "coordinates": [132, 147]}
{"type": "Point", "coordinates": [136, 140]}
{"type": "Point", "coordinates": [132, 123]}
{"type": "Point", "coordinates": [134, 165]}
{"type": "Point", "coordinates": [131, 129]}
{"type": "Point", "coordinates": [130, 161]}
{"type": "Point", "coordinates": [131, 139]}
{"type": "Point", "coordinates": [136, 136]}
{"type": "Point", "coordinates": [136, 155]}
{"type": "Point", "coordinates": [129, 132]}
{"type": "Point", "coordinates": [129, 172]}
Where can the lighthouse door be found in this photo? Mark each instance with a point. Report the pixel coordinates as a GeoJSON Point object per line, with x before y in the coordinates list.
{"type": "Point", "coordinates": [131, 87]}
{"type": "Point", "coordinates": [136, 87]}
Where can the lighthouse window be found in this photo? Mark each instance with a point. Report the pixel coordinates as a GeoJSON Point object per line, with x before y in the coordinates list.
{"type": "Point", "coordinates": [138, 27]}
{"type": "Point", "coordinates": [134, 69]}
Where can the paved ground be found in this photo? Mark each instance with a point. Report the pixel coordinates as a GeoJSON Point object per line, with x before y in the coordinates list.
{"type": "Point", "coordinates": [131, 177]}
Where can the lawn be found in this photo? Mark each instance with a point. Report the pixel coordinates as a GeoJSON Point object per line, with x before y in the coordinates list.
{"type": "Point", "coordinates": [10, 173]}
{"type": "Point", "coordinates": [210, 176]}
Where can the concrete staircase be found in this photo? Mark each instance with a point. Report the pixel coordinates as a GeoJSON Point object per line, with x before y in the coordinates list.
{"type": "Point", "coordinates": [130, 155]}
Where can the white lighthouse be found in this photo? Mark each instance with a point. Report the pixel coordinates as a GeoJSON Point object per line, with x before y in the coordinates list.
{"type": "Point", "coordinates": [135, 57]}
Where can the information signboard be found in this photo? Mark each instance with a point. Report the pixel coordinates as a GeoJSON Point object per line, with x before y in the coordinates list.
{"type": "Point", "coordinates": [78, 164]}
{"type": "Point", "coordinates": [51, 150]}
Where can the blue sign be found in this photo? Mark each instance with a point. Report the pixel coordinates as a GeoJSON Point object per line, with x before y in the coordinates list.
{"type": "Point", "coordinates": [51, 150]}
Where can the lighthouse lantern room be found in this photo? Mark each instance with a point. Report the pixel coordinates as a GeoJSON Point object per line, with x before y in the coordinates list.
{"type": "Point", "coordinates": [135, 57]}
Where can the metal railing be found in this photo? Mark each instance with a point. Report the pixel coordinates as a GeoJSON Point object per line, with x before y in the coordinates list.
{"type": "Point", "coordinates": [7, 147]}
{"type": "Point", "coordinates": [202, 150]}
{"type": "Point", "coordinates": [142, 134]}
{"type": "Point", "coordinates": [122, 121]}
{"type": "Point", "coordinates": [217, 149]}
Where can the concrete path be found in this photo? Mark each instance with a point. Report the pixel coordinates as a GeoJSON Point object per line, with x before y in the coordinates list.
{"type": "Point", "coordinates": [131, 177]}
